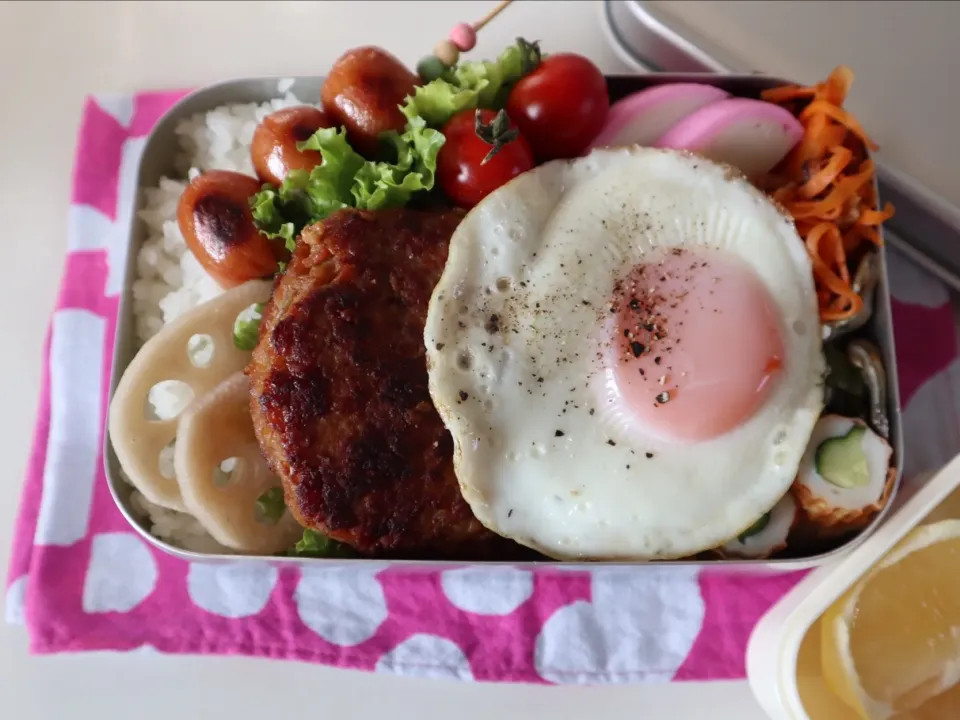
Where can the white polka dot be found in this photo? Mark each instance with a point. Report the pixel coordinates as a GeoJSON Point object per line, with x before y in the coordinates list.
{"type": "Point", "coordinates": [145, 649]}
{"type": "Point", "coordinates": [121, 575]}
{"type": "Point", "coordinates": [428, 656]}
{"type": "Point", "coordinates": [912, 284]}
{"type": "Point", "coordinates": [15, 603]}
{"type": "Point", "coordinates": [640, 626]}
{"type": "Point", "coordinates": [87, 228]}
{"type": "Point", "coordinates": [234, 590]}
{"type": "Point", "coordinates": [118, 243]}
{"type": "Point", "coordinates": [343, 606]}
{"type": "Point", "coordinates": [77, 343]}
{"type": "Point", "coordinates": [487, 591]}
{"type": "Point", "coordinates": [120, 107]}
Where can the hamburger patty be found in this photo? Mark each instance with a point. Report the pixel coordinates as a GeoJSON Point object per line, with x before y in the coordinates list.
{"type": "Point", "coordinates": [339, 393]}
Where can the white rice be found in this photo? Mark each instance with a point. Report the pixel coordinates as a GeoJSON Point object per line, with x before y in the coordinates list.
{"type": "Point", "coordinates": [171, 282]}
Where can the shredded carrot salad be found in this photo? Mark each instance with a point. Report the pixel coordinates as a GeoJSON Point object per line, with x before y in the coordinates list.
{"type": "Point", "coordinates": [827, 184]}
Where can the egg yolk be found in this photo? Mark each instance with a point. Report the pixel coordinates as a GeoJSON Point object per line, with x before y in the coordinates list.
{"type": "Point", "coordinates": [698, 344]}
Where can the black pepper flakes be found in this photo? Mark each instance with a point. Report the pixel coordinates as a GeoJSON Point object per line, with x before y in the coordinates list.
{"type": "Point", "coordinates": [463, 395]}
{"type": "Point", "coordinates": [439, 346]}
{"type": "Point", "coordinates": [493, 324]}
{"type": "Point", "coordinates": [592, 411]}
{"type": "Point", "coordinates": [611, 443]}
{"type": "Point", "coordinates": [558, 433]}
{"type": "Point", "coordinates": [663, 397]}
{"type": "Point", "coordinates": [637, 349]}
{"type": "Point", "coordinates": [649, 455]}
{"type": "Point", "coordinates": [656, 360]}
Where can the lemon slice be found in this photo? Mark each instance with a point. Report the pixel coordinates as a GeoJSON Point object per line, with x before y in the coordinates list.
{"type": "Point", "coordinates": [944, 706]}
{"type": "Point", "coordinates": [892, 642]}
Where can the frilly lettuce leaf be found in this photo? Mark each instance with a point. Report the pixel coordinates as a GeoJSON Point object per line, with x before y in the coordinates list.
{"type": "Point", "coordinates": [346, 179]}
{"type": "Point", "coordinates": [271, 220]}
{"type": "Point", "coordinates": [440, 99]}
{"type": "Point", "coordinates": [313, 544]}
{"type": "Point", "coordinates": [383, 185]}
{"type": "Point", "coordinates": [482, 84]}
{"type": "Point", "coordinates": [270, 505]}
{"type": "Point", "coordinates": [307, 197]}
{"type": "Point", "coordinates": [328, 185]}
{"type": "Point", "coordinates": [246, 328]}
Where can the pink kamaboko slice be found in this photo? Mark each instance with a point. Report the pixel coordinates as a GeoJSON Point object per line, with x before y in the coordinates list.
{"type": "Point", "coordinates": [643, 117]}
{"type": "Point", "coordinates": [751, 135]}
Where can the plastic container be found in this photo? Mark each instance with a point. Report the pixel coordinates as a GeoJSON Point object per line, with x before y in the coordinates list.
{"type": "Point", "coordinates": [783, 656]}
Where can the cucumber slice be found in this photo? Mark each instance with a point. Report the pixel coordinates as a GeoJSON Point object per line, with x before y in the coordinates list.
{"type": "Point", "coordinates": [756, 528]}
{"type": "Point", "coordinates": [841, 461]}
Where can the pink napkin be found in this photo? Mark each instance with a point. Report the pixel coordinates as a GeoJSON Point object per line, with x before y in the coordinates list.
{"type": "Point", "coordinates": [81, 579]}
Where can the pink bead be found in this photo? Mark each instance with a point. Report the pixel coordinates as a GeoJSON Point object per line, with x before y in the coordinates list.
{"type": "Point", "coordinates": [464, 37]}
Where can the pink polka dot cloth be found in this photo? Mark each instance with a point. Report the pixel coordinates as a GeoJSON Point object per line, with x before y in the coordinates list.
{"type": "Point", "coordinates": [81, 579]}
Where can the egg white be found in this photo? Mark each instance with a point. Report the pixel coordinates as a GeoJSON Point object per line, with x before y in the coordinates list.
{"type": "Point", "coordinates": [513, 334]}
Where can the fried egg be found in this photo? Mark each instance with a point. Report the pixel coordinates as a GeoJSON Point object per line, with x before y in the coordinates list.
{"type": "Point", "coordinates": [626, 350]}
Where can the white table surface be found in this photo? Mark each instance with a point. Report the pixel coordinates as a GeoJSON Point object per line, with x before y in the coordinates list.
{"type": "Point", "coordinates": [51, 55]}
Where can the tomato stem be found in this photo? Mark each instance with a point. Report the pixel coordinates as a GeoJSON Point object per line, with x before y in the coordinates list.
{"type": "Point", "coordinates": [498, 133]}
{"type": "Point", "coordinates": [530, 55]}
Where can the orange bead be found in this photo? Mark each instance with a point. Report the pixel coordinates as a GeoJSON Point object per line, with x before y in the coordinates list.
{"type": "Point", "coordinates": [447, 53]}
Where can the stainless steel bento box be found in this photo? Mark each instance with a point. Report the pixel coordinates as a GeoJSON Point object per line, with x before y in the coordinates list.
{"type": "Point", "coordinates": [158, 160]}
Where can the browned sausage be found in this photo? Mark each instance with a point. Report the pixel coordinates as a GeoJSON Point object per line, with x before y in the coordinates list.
{"type": "Point", "coordinates": [274, 147]}
{"type": "Point", "coordinates": [362, 92]}
{"type": "Point", "coordinates": [216, 222]}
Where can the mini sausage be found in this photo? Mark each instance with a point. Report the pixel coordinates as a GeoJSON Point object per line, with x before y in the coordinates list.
{"type": "Point", "coordinates": [274, 148]}
{"type": "Point", "coordinates": [215, 220]}
{"type": "Point", "coordinates": [363, 91]}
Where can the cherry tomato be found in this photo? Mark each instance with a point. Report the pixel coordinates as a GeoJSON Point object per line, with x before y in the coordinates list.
{"type": "Point", "coordinates": [461, 171]}
{"type": "Point", "coordinates": [561, 106]}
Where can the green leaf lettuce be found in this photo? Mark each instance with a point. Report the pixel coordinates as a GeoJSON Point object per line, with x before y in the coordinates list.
{"type": "Point", "coordinates": [345, 179]}
{"type": "Point", "coordinates": [476, 84]}
{"type": "Point", "coordinates": [314, 544]}
{"type": "Point", "coordinates": [246, 328]}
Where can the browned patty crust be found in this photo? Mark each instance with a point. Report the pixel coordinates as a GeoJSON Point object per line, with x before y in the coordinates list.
{"type": "Point", "coordinates": [339, 388]}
